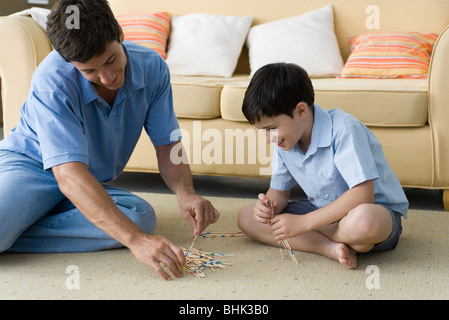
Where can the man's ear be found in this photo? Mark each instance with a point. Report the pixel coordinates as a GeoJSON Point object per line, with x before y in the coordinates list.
{"type": "Point", "coordinates": [122, 36]}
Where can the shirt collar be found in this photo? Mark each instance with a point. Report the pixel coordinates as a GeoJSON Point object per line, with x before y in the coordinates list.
{"type": "Point", "coordinates": [134, 76]}
{"type": "Point", "coordinates": [321, 130]}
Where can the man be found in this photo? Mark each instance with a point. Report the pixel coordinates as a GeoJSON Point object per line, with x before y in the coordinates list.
{"type": "Point", "coordinates": [88, 102]}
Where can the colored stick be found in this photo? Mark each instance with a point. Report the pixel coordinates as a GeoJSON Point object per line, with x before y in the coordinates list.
{"type": "Point", "coordinates": [191, 246]}
{"type": "Point", "coordinates": [222, 235]}
{"type": "Point", "coordinates": [283, 241]}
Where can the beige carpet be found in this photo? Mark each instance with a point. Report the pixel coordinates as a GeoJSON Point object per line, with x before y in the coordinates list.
{"type": "Point", "coordinates": [417, 269]}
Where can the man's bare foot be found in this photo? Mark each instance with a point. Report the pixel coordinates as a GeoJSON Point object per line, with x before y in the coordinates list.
{"type": "Point", "coordinates": [345, 255]}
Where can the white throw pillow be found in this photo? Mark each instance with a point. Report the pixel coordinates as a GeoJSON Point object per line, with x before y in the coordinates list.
{"type": "Point", "coordinates": [206, 44]}
{"type": "Point", "coordinates": [307, 40]}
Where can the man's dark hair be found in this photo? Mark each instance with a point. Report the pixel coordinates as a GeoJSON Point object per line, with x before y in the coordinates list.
{"type": "Point", "coordinates": [84, 40]}
{"type": "Point", "coordinates": [276, 89]}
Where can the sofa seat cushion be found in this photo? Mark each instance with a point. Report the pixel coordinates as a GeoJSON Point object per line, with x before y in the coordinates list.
{"type": "Point", "coordinates": [198, 97]}
{"type": "Point", "coordinates": [376, 102]}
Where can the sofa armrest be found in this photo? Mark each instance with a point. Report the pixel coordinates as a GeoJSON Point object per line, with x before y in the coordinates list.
{"type": "Point", "coordinates": [24, 45]}
{"type": "Point", "coordinates": [439, 109]}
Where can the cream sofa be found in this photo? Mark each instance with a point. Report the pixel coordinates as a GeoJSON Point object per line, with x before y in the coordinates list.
{"type": "Point", "coordinates": [408, 116]}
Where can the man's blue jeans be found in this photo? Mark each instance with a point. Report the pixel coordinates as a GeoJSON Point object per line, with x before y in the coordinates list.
{"type": "Point", "coordinates": [36, 217]}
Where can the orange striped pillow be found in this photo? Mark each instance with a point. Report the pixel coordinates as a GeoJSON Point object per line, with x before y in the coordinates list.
{"type": "Point", "coordinates": [389, 55]}
{"type": "Point", "coordinates": [149, 30]}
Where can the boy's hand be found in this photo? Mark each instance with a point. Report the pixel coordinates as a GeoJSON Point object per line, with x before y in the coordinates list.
{"type": "Point", "coordinates": [288, 225]}
{"type": "Point", "coordinates": [264, 210]}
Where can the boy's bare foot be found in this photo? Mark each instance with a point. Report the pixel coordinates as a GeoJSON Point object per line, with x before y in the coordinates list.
{"type": "Point", "coordinates": [345, 255]}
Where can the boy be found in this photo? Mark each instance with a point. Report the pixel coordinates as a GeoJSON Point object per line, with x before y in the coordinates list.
{"type": "Point", "coordinates": [88, 102]}
{"type": "Point", "coordinates": [354, 201]}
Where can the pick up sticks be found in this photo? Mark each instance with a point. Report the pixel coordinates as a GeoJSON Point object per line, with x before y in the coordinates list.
{"type": "Point", "coordinates": [198, 261]}
{"type": "Point", "coordinates": [284, 241]}
{"type": "Point", "coordinates": [289, 249]}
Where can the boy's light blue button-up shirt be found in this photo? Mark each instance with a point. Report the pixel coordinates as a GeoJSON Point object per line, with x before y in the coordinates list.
{"type": "Point", "coordinates": [342, 154]}
{"type": "Point", "coordinates": [65, 120]}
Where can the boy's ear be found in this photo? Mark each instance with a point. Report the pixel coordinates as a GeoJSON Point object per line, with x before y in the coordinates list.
{"type": "Point", "coordinates": [302, 109]}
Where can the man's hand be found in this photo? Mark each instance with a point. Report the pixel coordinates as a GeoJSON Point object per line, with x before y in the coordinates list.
{"type": "Point", "coordinates": [198, 212]}
{"type": "Point", "coordinates": [156, 251]}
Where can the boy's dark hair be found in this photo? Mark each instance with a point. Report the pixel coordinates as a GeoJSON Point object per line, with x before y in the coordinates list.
{"type": "Point", "coordinates": [276, 89]}
{"type": "Point", "coordinates": [84, 39]}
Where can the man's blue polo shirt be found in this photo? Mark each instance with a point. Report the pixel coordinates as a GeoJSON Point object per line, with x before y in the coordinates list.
{"type": "Point", "coordinates": [342, 154]}
{"type": "Point", "coordinates": [65, 120]}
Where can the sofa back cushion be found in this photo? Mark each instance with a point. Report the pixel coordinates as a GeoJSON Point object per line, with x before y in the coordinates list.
{"type": "Point", "coordinates": [149, 30]}
{"type": "Point", "coordinates": [351, 17]}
